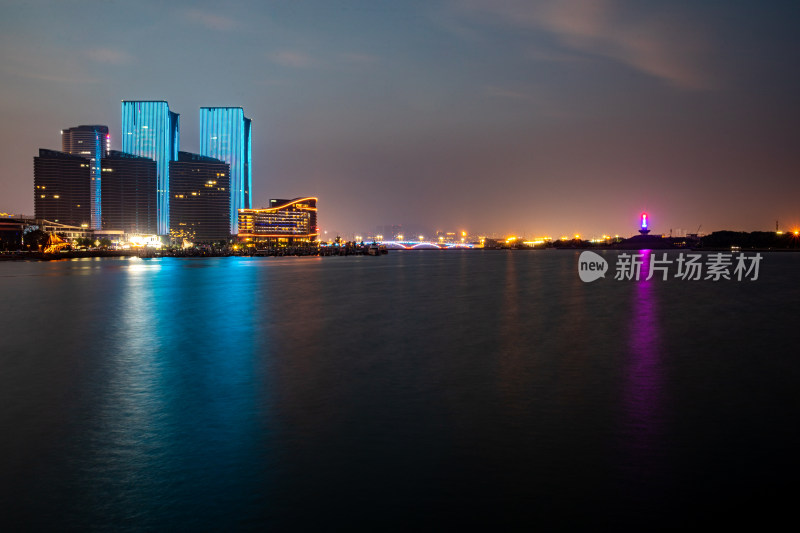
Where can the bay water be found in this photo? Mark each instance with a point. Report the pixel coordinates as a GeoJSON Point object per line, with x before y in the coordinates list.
{"type": "Point", "coordinates": [416, 390]}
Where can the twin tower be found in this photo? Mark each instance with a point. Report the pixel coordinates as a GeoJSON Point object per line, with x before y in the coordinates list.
{"type": "Point", "coordinates": [150, 129]}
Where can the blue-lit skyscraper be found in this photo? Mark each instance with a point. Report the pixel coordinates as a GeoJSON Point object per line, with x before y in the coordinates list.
{"type": "Point", "coordinates": [150, 129]}
{"type": "Point", "coordinates": [225, 135]}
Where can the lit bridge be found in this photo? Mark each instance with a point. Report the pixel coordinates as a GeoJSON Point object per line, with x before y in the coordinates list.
{"type": "Point", "coordinates": [424, 245]}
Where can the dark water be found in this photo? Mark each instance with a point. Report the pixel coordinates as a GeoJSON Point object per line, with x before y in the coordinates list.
{"type": "Point", "coordinates": [415, 390]}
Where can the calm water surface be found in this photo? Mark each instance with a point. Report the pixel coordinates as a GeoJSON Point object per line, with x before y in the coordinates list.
{"type": "Point", "coordinates": [414, 390]}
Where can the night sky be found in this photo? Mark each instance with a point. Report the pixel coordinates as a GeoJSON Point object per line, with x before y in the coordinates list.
{"type": "Point", "coordinates": [534, 118]}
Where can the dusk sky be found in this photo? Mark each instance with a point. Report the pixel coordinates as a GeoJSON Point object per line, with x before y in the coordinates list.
{"type": "Point", "coordinates": [527, 117]}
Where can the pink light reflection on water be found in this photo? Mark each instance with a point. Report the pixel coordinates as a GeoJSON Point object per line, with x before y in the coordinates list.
{"type": "Point", "coordinates": [643, 394]}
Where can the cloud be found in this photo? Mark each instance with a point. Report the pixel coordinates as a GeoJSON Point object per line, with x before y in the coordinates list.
{"type": "Point", "coordinates": [358, 58]}
{"type": "Point", "coordinates": [513, 94]}
{"type": "Point", "coordinates": [109, 56]}
{"type": "Point", "coordinates": [292, 58]}
{"type": "Point", "coordinates": [323, 60]}
{"type": "Point", "coordinates": [528, 97]}
{"type": "Point", "coordinates": [271, 82]}
{"type": "Point", "coordinates": [210, 20]}
{"type": "Point", "coordinates": [538, 53]}
{"type": "Point", "coordinates": [55, 78]}
{"type": "Point", "coordinates": [662, 45]}
{"type": "Point", "coordinates": [57, 67]}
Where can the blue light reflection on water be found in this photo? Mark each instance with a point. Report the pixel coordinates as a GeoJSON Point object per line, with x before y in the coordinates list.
{"type": "Point", "coordinates": [164, 388]}
{"type": "Point", "coordinates": [174, 427]}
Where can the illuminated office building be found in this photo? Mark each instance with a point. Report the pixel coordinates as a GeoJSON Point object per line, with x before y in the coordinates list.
{"type": "Point", "coordinates": [91, 142]}
{"type": "Point", "coordinates": [62, 188]}
{"type": "Point", "coordinates": [151, 130]}
{"type": "Point", "coordinates": [225, 135]}
{"type": "Point", "coordinates": [199, 199]}
{"type": "Point", "coordinates": [129, 193]}
{"type": "Point", "coordinates": [284, 222]}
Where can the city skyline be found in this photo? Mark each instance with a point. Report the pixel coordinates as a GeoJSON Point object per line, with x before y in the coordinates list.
{"type": "Point", "coordinates": [529, 118]}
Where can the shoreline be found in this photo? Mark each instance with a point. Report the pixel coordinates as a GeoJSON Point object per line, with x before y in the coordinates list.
{"type": "Point", "coordinates": [99, 254]}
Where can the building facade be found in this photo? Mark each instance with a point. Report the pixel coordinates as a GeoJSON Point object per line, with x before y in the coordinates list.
{"type": "Point", "coordinates": [62, 188]}
{"type": "Point", "coordinates": [199, 199]}
{"type": "Point", "coordinates": [91, 142]}
{"type": "Point", "coordinates": [225, 135]}
{"type": "Point", "coordinates": [284, 222]}
{"type": "Point", "coordinates": [11, 231]}
{"type": "Point", "coordinates": [129, 194]}
{"type": "Point", "coordinates": [151, 130]}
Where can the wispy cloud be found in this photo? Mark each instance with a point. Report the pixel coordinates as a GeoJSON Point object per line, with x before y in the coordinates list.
{"type": "Point", "coordinates": [323, 60]}
{"type": "Point", "coordinates": [553, 56]}
{"type": "Point", "coordinates": [54, 78]}
{"type": "Point", "coordinates": [210, 20]}
{"type": "Point", "coordinates": [662, 45]}
{"type": "Point", "coordinates": [528, 97]}
{"type": "Point", "coordinates": [109, 56]}
{"type": "Point", "coordinates": [271, 82]}
{"type": "Point", "coordinates": [513, 94]}
{"type": "Point", "coordinates": [58, 67]}
{"type": "Point", "coordinates": [292, 58]}
{"type": "Point", "coordinates": [355, 58]}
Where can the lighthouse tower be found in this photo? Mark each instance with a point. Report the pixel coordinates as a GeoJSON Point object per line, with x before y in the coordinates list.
{"type": "Point", "coordinates": [644, 230]}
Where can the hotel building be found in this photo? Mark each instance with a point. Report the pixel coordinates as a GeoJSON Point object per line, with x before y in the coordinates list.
{"type": "Point", "coordinates": [284, 222]}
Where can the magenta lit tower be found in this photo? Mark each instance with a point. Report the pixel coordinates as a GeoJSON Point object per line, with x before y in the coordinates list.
{"type": "Point", "coordinates": [644, 230]}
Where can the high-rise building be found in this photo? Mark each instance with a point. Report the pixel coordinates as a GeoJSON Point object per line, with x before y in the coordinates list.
{"type": "Point", "coordinates": [91, 142]}
{"type": "Point", "coordinates": [225, 135]}
{"type": "Point", "coordinates": [200, 209]}
{"type": "Point", "coordinates": [150, 129]}
{"type": "Point", "coordinates": [284, 222]}
{"type": "Point", "coordinates": [129, 193]}
{"type": "Point", "coordinates": [62, 188]}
